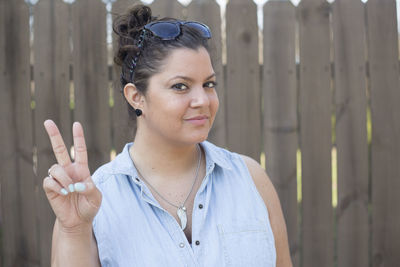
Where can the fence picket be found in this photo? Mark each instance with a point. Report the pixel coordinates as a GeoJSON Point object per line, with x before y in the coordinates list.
{"type": "Point", "coordinates": [315, 133]}
{"type": "Point", "coordinates": [280, 110]}
{"type": "Point", "coordinates": [52, 95]}
{"type": "Point", "coordinates": [243, 101]}
{"type": "Point", "coordinates": [167, 8]}
{"type": "Point", "coordinates": [91, 78]}
{"type": "Point", "coordinates": [385, 144]}
{"type": "Point", "coordinates": [351, 133]}
{"type": "Point", "coordinates": [208, 12]}
{"type": "Point", "coordinates": [16, 164]}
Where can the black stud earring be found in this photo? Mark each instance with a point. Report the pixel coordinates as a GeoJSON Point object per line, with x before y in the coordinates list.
{"type": "Point", "coordinates": [138, 112]}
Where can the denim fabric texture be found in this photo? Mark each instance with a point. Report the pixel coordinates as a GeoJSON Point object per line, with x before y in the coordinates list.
{"type": "Point", "coordinates": [232, 225]}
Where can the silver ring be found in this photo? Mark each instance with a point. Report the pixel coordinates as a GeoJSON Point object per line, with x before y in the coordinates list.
{"type": "Point", "coordinates": [48, 173]}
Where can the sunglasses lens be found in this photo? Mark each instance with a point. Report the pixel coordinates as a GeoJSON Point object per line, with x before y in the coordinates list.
{"type": "Point", "coordinates": [165, 30]}
{"type": "Point", "coordinates": [205, 31]}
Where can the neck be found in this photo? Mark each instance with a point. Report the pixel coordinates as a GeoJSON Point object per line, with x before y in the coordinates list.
{"type": "Point", "coordinates": [163, 159]}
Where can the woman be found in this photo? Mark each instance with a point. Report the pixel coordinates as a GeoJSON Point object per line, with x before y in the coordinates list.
{"type": "Point", "coordinates": [170, 198]}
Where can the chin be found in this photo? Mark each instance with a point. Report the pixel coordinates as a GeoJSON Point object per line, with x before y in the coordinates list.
{"type": "Point", "coordinates": [202, 139]}
{"type": "Point", "coordinates": [195, 139]}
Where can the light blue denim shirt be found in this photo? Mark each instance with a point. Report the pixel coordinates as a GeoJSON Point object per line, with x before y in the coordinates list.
{"type": "Point", "coordinates": [229, 219]}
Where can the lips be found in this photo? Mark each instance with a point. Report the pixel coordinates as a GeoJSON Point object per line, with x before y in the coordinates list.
{"type": "Point", "coordinates": [199, 120]}
{"type": "Point", "coordinates": [201, 117]}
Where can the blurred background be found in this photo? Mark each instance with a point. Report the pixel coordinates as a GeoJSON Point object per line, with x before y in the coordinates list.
{"type": "Point", "coordinates": [308, 88]}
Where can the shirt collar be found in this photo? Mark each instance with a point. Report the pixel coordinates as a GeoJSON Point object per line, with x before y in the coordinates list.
{"type": "Point", "coordinates": [122, 164]}
{"type": "Point", "coordinates": [215, 155]}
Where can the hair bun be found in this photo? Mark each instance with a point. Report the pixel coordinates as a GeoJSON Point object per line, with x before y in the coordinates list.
{"type": "Point", "coordinates": [140, 15]}
{"type": "Point", "coordinates": [127, 27]}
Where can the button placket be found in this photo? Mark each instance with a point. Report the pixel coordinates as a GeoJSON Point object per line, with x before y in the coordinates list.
{"type": "Point", "coordinates": [136, 180]}
{"type": "Point", "coordinates": [197, 221]}
{"type": "Point", "coordinates": [146, 194]}
{"type": "Point", "coordinates": [185, 249]}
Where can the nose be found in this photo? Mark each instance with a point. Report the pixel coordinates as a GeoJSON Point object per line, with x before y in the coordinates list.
{"type": "Point", "coordinates": [200, 97]}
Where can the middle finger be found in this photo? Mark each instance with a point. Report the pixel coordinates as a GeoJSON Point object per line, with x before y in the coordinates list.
{"type": "Point", "coordinates": [57, 142]}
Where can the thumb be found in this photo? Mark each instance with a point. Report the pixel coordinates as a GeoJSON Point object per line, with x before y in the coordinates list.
{"type": "Point", "coordinates": [90, 191]}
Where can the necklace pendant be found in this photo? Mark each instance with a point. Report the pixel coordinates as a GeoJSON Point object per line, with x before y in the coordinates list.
{"type": "Point", "coordinates": [181, 212]}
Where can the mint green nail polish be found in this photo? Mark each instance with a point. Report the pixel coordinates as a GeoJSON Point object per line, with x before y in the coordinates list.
{"type": "Point", "coordinates": [64, 191]}
{"type": "Point", "coordinates": [71, 188]}
{"type": "Point", "coordinates": [80, 187]}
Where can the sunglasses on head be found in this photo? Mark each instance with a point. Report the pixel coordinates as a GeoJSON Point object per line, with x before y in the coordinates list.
{"type": "Point", "coordinates": [169, 30]}
{"type": "Point", "coordinates": [165, 30]}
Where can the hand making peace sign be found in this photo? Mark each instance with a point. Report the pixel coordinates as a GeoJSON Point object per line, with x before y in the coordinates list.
{"type": "Point", "coordinates": [69, 187]}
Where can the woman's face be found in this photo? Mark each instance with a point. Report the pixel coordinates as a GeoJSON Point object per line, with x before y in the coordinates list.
{"type": "Point", "coordinates": [181, 102]}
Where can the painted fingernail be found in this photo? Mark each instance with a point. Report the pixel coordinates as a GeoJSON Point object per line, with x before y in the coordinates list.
{"type": "Point", "coordinates": [71, 188]}
{"type": "Point", "coordinates": [64, 191]}
{"type": "Point", "coordinates": [80, 187]}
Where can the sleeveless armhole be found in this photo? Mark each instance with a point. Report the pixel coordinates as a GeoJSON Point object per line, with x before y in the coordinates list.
{"type": "Point", "coordinates": [251, 182]}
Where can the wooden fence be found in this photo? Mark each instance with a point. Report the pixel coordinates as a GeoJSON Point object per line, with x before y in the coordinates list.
{"type": "Point", "coordinates": [348, 68]}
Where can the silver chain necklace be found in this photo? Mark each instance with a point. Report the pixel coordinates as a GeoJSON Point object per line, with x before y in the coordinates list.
{"type": "Point", "coordinates": [181, 212]}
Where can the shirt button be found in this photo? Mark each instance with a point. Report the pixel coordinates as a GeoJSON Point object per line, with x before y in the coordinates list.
{"type": "Point", "coordinates": [200, 206]}
{"type": "Point", "coordinates": [181, 245]}
{"type": "Point", "coordinates": [197, 242]}
{"type": "Point", "coordinates": [137, 179]}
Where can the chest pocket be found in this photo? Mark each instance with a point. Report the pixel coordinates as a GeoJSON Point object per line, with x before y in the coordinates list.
{"type": "Point", "coordinates": [247, 244]}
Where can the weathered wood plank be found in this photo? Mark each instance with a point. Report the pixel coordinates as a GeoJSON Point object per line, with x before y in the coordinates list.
{"type": "Point", "coordinates": [208, 12]}
{"type": "Point", "coordinates": [243, 111]}
{"type": "Point", "coordinates": [351, 133]}
{"type": "Point", "coordinates": [280, 110]}
{"type": "Point", "coordinates": [52, 96]}
{"type": "Point", "coordinates": [91, 78]}
{"type": "Point", "coordinates": [16, 161]}
{"type": "Point", "coordinates": [122, 6]}
{"type": "Point", "coordinates": [167, 8]}
{"type": "Point", "coordinates": [315, 133]}
{"type": "Point", "coordinates": [385, 143]}
{"type": "Point", "coordinates": [123, 127]}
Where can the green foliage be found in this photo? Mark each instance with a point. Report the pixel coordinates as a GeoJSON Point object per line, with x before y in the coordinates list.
{"type": "Point", "coordinates": [334, 177]}
{"type": "Point", "coordinates": [369, 126]}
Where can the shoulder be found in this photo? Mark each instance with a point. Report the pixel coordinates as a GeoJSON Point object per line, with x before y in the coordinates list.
{"type": "Point", "coordinates": [271, 200]}
{"type": "Point", "coordinates": [261, 180]}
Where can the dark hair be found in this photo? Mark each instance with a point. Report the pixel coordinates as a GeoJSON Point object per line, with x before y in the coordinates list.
{"type": "Point", "coordinates": [153, 52]}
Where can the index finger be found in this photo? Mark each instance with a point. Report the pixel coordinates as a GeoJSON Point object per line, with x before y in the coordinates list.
{"type": "Point", "coordinates": [59, 148]}
{"type": "Point", "coordinates": [79, 144]}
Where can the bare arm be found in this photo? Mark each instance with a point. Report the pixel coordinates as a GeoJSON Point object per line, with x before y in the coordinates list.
{"type": "Point", "coordinates": [271, 200]}
{"type": "Point", "coordinates": [74, 249]}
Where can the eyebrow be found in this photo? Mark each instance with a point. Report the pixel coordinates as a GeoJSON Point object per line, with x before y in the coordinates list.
{"type": "Point", "coordinates": [190, 79]}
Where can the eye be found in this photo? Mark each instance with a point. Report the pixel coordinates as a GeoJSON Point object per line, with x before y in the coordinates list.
{"type": "Point", "coordinates": [210, 84]}
{"type": "Point", "coordinates": [180, 86]}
